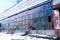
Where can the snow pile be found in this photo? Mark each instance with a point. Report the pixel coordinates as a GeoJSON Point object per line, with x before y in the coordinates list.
{"type": "Point", "coordinates": [5, 36]}
{"type": "Point", "coordinates": [17, 36]}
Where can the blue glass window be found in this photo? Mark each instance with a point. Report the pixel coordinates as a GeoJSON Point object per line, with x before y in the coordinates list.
{"type": "Point", "coordinates": [34, 15]}
{"type": "Point", "coordinates": [49, 5]}
{"type": "Point", "coordinates": [29, 16]}
{"type": "Point", "coordinates": [41, 8]}
{"type": "Point", "coordinates": [49, 12]}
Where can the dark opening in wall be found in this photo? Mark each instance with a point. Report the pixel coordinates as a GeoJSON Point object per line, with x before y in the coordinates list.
{"type": "Point", "coordinates": [59, 12]}
{"type": "Point", "coordinates": [0, 24]}
{"type": "Point", "coordinates": [49, 18]}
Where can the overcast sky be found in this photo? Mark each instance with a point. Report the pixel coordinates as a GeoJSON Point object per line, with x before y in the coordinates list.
{"type": "Point", "coordinates": [5, 4]}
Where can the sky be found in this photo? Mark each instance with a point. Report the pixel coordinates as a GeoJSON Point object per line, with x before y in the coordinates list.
{"type": "Point", "coordinates": [6, 4]}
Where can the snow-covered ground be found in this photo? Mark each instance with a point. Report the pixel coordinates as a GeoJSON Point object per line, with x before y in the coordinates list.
{"type": "Point", "coordinates": [17, 36]}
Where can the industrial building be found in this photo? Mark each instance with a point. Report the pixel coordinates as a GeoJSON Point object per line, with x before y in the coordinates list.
{"type": "Point", "coordinates": [35, 13]}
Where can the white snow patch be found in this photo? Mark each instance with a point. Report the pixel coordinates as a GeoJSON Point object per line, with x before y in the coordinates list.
{"type": "Point", "coordinates": [17, 36]}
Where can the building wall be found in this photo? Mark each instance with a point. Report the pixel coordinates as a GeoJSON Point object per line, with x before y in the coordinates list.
{"type": "Point", "coordinates": [36, 17]}
{"type": "Point", "coordinates": [19, 7]}
{"type": "Point", "coordinates": [55, 2]}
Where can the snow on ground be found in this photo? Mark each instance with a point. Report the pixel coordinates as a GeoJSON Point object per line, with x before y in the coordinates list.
{"type": "Point", "coordinates": [17, 36]}
{"type": "Point", "coordinates": [5, 36]}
